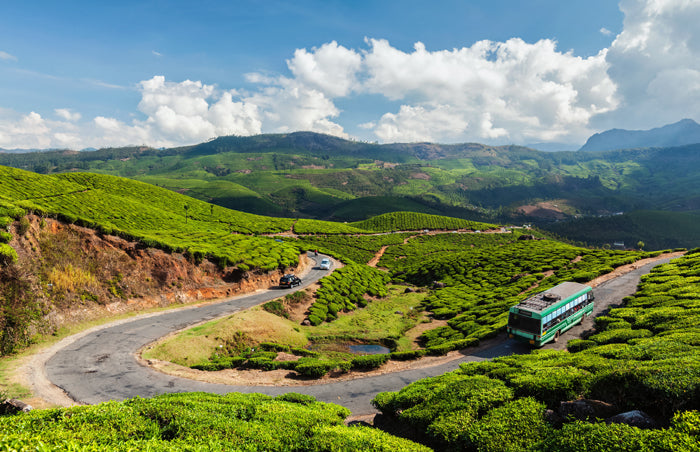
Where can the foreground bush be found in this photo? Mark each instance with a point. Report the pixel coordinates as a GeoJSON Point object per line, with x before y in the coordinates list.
{"type": "Point", "coordinates": [197, 421]}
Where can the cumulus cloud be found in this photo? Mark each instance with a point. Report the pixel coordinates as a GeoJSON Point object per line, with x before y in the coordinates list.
{"type": "Point", "coordinates": [178, 113]}
{"type": "Point", "coordinates": [509, 91]}
{"type": "Point", "coordinates": [330, 69]}
{"type": "Point", "coordinates": [655, 62]}
{"type": "Point", "coordinates": [27, 131]}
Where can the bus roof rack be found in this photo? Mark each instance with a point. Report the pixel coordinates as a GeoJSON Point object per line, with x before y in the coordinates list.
{"type": "Point", "coordinates": [541, 301]}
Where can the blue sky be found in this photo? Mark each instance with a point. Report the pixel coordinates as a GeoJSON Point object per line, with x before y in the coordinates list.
{"type": "Point", "coordinates": [78, 74]}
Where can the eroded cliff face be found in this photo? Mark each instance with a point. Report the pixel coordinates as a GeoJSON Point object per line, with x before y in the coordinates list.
{"type": "Point", "coordinates": [77, 274]}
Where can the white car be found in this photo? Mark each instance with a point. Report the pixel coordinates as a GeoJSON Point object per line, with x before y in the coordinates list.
{"type": "Point", "coordinates": [325, 264]}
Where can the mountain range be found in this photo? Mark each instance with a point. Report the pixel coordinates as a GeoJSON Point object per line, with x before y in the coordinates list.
{"type": "Point", "coordinates": [685, 131]}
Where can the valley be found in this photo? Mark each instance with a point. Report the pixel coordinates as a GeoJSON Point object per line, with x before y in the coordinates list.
{"type": "Point", "coordinates": [433, 290]}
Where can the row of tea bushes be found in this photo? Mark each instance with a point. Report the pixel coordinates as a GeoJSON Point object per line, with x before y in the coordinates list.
{"type": "Point", "coordinates": [412, 221]}
{"type": "Point", "coordinates": [483, 282]}
{"type": "Point", "coordinates": [197, 422]}
{"type": "Point", "coordinates": [345, 289]}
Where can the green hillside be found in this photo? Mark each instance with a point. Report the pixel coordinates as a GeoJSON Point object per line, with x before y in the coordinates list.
{"type": "Point", "coordinates": [317, 176]}
{"type": "Point", "coordinates": [155, 216]}
{"type": "Point", "coordinates": [309, 175]}
{"type": "Point", "coordinates": [656, 229]}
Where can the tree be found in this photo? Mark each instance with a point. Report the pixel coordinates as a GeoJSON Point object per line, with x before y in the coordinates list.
{"type": "Point", "coordinates": [640, 245]}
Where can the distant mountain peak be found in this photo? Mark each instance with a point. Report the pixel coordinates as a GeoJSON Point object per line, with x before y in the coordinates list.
{"type": "Point", "coordinates": [685, 131]}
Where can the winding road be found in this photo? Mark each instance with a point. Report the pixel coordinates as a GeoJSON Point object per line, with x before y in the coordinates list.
{"type": "Point", "coordinates": [101, 365]}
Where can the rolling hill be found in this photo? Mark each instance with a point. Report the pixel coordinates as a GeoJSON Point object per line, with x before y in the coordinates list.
{"type": "Point", "coordinates": [308, 175]}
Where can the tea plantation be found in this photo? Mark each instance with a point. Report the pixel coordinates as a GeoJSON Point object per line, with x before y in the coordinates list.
{"type": "Point", "coordinates": [468, 279]}
{"type": "Point", "coordinates": [646, 356]}
{"type": "Point", "coordinates": [152, 215]}
{"type": "Point", "coordinates": [642, 356]}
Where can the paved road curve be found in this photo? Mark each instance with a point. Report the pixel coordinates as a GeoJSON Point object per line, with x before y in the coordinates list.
{"type": "Point", "coordinates": [101, 366]}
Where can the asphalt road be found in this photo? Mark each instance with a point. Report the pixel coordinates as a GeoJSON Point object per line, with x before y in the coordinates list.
{"type": "Point", "coordinates": [102, 366]}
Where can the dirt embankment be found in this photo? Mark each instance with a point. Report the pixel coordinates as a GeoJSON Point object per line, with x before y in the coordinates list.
{"type": "Point", "coordinates": [78, 274]}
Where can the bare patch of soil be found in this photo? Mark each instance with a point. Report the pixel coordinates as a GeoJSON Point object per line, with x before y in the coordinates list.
{"type": "Point", "coordinates": [542, 210]}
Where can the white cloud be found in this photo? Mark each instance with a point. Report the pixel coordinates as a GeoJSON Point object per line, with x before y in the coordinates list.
{"type": "Point", "coordinates": [655, 62]}
{"type": "Point", "coordinates": [67, 115]}
{"type": "Point", "coordinates": [26, 132]}
{"type": "Point", "coordinates": [330, 69]}
{"type": "Point", "coordinates": [288, 106]}
{"type": "Point", "coordinates": [510, 91]}
{"type": "Point", "coordinates": [420, 124]}
{"type": "Point", "coordinates": [604, 31]}
{"type": "Point", "coordinates": [6, 56]}
{"type": "Point", "coordinates": [180, 113]}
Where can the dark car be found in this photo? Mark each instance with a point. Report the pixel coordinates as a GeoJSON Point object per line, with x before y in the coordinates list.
{"type": "Point", "coordinates": [290, 281]}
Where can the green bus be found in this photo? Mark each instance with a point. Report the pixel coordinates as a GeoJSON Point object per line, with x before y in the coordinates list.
{"type": "Point", "coordinates": [543, 317]}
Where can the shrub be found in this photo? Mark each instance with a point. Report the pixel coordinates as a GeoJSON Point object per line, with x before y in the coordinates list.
{"type": "Point", "coordinates": [423, 402]}
{"type": "Point", "coordinates": [360, 438]}
{"type": "Point", "coordinates": [551, 384]}
{"type": "Point", "coordinates": [408, 355]}
{"type": "Point", "coordinates": [24, 225]}
{"type": "Point", "coordinates": [515, 426]}
{"type": "Point", "coordinates": [314, 368]}
{"type": "Point", "coordinates": [275, 307]}
{"type": "Point", "coordinates": [274, 347]}
{"type": "Point", "coordinates": [8, 255]}
{"type": "Point", "coordinates": [5, 221]}
{"type": "Point", "coordinates": [598, 437]}
{"type": "Point", "coordinates": [263, 363]}
{"type": "Point", "coordinates": [619, 335]}
{"type": "Point", "coordinates": [5, 237]}
{"type": "Point", "coordinates": [304, 352]}
{"type": "Point", "coordinates": [367, 362]}
{"type": "Point", "coordinates": [295, 397]}
{"type": "Point", "coordinates": [577, 345]}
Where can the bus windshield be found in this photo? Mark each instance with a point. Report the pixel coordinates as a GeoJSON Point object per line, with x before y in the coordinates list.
{"type": "Point", "coordinates": [523, 323]}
